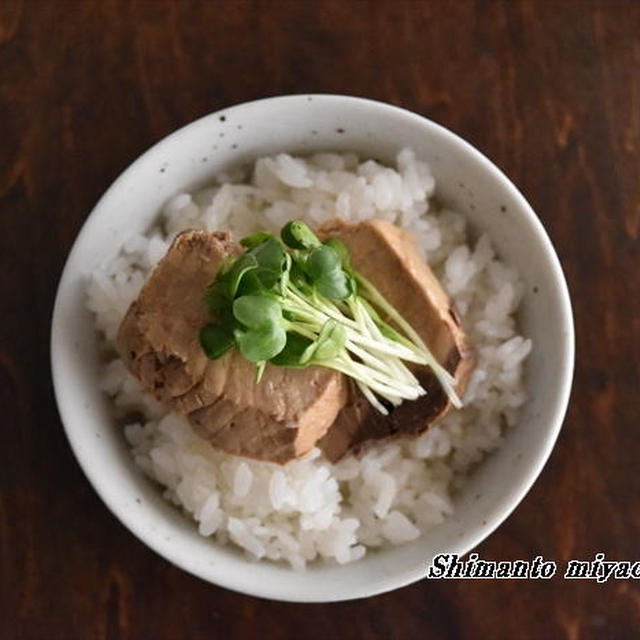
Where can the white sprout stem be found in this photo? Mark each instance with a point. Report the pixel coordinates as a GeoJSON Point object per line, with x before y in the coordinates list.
{"type": "Point", "coordinates": [299, 329]}
{"type": "Point", "coordinates": [393, 390]}
{"type": "Point", "coordinates": [374, 331]}
{"type": "Point", "coordinates": [377, 298]}
{"type": "Point", "coordinates": [384, 385]}
{"type": "Point", "coordinates": [444, 377]}
{"type": "Point", "coordinates": [302, 314]}
{"type": "Point", "coordinates": [371, 397]}
{"type": "Point", "coordinates": [381, 390]}
{"type": "Point", "coordinates": [353, 329]}
{"type": "Point", "coordinates": [387, 364]}
{"type": "Point", "coordinates": [406, 387]}
{"type": "Point", "coordinates": [381, 370]}
{"type": "Point", "coordinates": [392, 349]}
{"type": "Point", "coordinates": [324, 309]}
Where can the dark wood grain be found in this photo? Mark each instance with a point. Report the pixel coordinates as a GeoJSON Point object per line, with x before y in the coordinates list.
{"type": "Point", "coordinates": [549, 90]}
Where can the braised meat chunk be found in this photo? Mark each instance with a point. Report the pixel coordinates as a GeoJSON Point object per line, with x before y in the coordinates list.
{"type": "Point", "coordinates": [387, 256]}
{"type": "Point", "coordinates": [289, 410]}
{"type": "Point", "coordinates": [277, 419]}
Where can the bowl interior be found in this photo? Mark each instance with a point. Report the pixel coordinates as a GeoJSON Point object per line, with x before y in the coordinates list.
{"type": "Point", "coordinates": [465, 180]}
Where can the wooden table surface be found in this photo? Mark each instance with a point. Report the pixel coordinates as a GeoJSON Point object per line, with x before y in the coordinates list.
{"type": "Point", "coordinates": [549, 90]}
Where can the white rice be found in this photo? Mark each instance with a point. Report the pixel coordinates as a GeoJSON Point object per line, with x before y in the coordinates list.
{"type": "Point", "coordinates": [309, 509]}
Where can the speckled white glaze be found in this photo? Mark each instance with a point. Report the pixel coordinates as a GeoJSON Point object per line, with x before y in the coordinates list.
{"type": "Point", "coordinates": [466, 180]}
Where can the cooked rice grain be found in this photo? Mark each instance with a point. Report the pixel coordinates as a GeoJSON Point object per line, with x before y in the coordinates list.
{"type": "Point", "coordinates": [309, 509]}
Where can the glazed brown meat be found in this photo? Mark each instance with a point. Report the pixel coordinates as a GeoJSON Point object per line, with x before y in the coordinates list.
{"type": "Point", "coordinates": [387, 256]}
{"type": "Point", "coordinates": [278, 419]}
{"type": "Point", "coordinates": [284, 415]}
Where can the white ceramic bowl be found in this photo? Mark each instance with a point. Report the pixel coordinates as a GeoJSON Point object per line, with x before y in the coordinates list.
{"type": "Point", "coordinates": [465, 180]}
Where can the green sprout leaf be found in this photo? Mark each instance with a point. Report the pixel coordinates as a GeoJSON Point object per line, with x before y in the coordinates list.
{"type": "Point", "coordinates": [216, 296]}
{"type": "Point", "coordinates": [255, 239]}
{"type": "Point", "coordinates": [297, 235]}
{"type": "Point", "coordinates": [324, 267]}
{"type": "Point", "coordinates": [301, 303]}
{"type": "Point", "coordinates": [329, 344]}
{"type": "Point", "coordinates": [322, 261]}
{"type": "Point", "coordinates": [331, 341]}
{"type": "Point", "coordinates": [286, 274]}
{"type": "Point", "coordinates": [335, 285]}
{"type": "Point", "coordinates": [340, 249]}
{"type": "Point", "coordinates": [297, 276]}
{"type": "Point", "coordinates": [261, 343]}
{"type": "Point", "coordinates": [291, 355]}
{"type": "Point", "coordinates": [271, 261]}
{"type": "Point", "coordinates": [269, 254]}
{"type": "Point", "coordinates": [254, 311]}
{"type": "Point", "coordinates": [216, 340]}
{"type": "Point", "coordinates": [251, 284]}
{"type": "Point", "coordinates": [245, 263]}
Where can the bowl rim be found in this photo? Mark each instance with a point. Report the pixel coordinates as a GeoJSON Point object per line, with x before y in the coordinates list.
{"type": "Point", "coordinates": [511, 501]}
